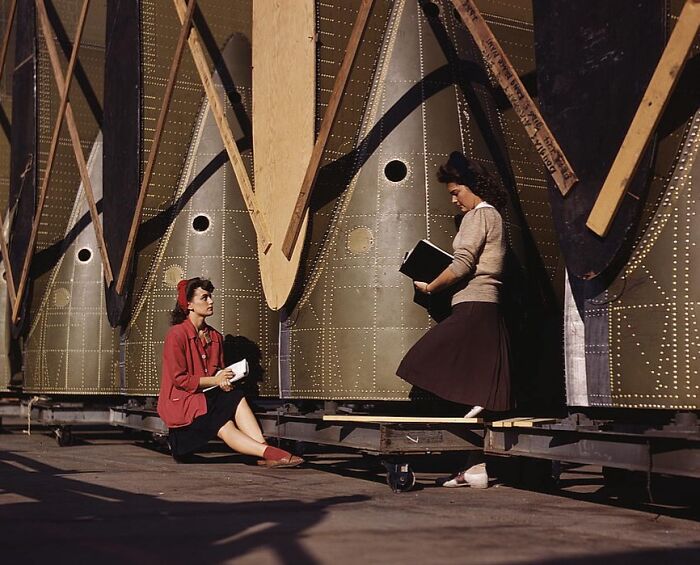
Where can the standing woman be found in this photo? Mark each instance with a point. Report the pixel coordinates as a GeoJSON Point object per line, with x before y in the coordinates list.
{"type": "Point", "coordinates": [193, 359]}
{"type": "Point", "coordinates": [464, 358]}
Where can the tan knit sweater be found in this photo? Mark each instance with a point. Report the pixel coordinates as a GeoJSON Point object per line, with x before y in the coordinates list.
{"type": "Point", "coordinates": [479, 252]}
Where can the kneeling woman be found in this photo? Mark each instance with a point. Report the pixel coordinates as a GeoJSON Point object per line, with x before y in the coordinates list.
{"type": "Point", "coordinates": [193, 358]}
{"type": "Point", "coordinates": [464, 358]}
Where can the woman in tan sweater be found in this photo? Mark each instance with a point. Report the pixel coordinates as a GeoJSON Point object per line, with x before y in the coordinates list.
{"type": "Point", "coordinates": [465, 358]}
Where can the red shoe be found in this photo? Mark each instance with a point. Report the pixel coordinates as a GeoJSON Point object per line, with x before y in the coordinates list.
{"type": "Point", "coordinates": [291, 461]}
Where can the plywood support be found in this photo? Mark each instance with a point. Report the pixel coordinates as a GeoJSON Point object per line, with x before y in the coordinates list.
{"type": "Point", "coordinates": [537, 130]}
{"type": "Point", "coordinates": [186, 22]}
{"type": "Point", "coordinates": [284, 128]}
{"type": "Point", "coordinates": [646, 119]}
{"type": "Point", "coordinates": [341, 80]}
{"type": "Point", "coordinates": [63, 83]}
{"type": "Point", "coordinates": [3, 242]}
{"type": "Point", "coordinates": [256, 213]}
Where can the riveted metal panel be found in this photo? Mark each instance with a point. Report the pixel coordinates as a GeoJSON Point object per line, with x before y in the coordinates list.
{"type": "Point", "coordinates": [209, 234]}
{"type": "Point", "coordinates": [430, 95]}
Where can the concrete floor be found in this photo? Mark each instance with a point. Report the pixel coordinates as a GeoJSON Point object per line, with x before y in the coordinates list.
{"type": "Point", "coordinates": [112, 499]}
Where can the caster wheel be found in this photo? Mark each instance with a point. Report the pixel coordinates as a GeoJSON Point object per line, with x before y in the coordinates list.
{"type": "Point", "coordinates": [399, 477]}
{"type": "Point", "coordinates": [64, 436]}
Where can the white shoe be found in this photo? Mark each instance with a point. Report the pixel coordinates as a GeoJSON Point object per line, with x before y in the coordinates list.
{"type": "Point", "coordinates": [474, 412]}
{"type": "Point", "coordinates": [474, 477]}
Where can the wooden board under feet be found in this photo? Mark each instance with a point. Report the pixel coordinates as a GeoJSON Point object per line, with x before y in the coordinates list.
{"type": "Point", "coordinates": [522, 422]}
{"type": "Point", "coordinates": [400, 419]}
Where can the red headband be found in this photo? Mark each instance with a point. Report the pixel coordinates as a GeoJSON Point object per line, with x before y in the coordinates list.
{"type": "Point", "coordinates": [182, 294]}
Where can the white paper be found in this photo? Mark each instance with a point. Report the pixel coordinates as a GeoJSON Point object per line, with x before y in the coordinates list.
{"type": "Point", "coordinates": [240, 370]}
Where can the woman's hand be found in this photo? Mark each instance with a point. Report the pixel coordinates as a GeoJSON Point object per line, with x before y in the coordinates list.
{"type": "Point", "coordinates": [421, 286]}
{"type": "Point", "coordinates": [222, 379]}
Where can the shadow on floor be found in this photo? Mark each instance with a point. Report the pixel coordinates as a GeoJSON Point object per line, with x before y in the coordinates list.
{"type": "Point", "coordinates": [47, 517]}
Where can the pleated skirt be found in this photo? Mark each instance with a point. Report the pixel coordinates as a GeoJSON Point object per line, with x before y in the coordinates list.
{"type": "Point", "coordinates": [464, 358]}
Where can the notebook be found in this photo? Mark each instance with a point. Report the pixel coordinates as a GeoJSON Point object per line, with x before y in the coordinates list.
{"type": "Point", "coordinates": [240, 371]}
{"type": "Point", "coordinates": [425, 262]}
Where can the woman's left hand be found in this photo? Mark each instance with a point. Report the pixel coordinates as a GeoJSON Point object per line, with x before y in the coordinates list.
{"type": "Point", "coordinates": [421, 286]}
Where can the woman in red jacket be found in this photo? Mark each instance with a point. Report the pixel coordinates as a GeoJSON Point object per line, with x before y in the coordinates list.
{"type": "Point", "coordinates": [193, 360]}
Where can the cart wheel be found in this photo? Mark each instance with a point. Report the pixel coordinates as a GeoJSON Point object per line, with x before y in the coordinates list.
{"type": "Point", "coordinates": [64, 436]}
{"type": "Point", "coordinates": [399, 477]}
{"type": "Point", "coordinates": [160, 441]}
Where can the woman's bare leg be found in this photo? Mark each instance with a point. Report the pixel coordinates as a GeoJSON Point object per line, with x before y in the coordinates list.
{"type": "Point", "coordinates": [246, 422]}
{"type": "Point", "coordinates": [239, 441]}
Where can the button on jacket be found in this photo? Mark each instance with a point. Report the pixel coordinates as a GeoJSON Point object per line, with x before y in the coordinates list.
{"type": "Point", "coordinates": [185, 359]}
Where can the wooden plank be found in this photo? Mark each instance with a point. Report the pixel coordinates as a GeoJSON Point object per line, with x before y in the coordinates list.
{"type": "Point", "coordinates": [3, 243]}
{"type": "Point", "coordinates": [64, 109]}
{"type": "Point", "coordinates": [6, 38]}
{"type": "Point", "coordinates": [537, 130]}
{"type": "Point", "coordinates": [646, 119]}
{"type": "Point", "coordinates": [533, 422]}
{"type": "Point", "coordinates": [217, 108]}
{"type": "Point", "coordinates": [400, 419]}
{"type": "Point", "coordinates": [75, 137]}
{"type": "Point", "coordinates": [284, 52]}
{"type": "Point", "coordinates": [186, 23]}
{"type": "Point", "coordinates": [507, 423]}
{"type": "Point", "coordinates": [329, 115]}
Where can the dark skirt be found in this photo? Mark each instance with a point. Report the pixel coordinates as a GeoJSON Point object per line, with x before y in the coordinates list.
{"type": "Point", "coordinates": [464, 358]}
{"type": "Point", "coordinates": [221, 407]}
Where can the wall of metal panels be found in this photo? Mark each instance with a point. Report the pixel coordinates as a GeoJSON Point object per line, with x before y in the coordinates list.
{"type": "Point", "coordinates": [209, 234]}
{"type": "Point", "coordinates": [70, 347]}
{"type": "Point", "coordinates": [430, 95]}
{"type": "Point", "coordinates": [631, 298]}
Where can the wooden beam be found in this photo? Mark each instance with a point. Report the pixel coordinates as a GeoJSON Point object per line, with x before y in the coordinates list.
{"type": "Point", "coordinates": [537, 130]}
{"type": "Point", "coordinates": [646, 119]}
{"type": "Point", "coordinates": [508, 422]}
{"type": "Point", "coordinates": [155, 145]}
{"type": "Point", "coordinates": [6, 39]}
{"type": "Point", "coordinates": [9, 278]}
{"type": "Point", "coordinates": [329, 115]}
{"type": "Point", "coordinates": [217, 108]}
{"type": "Point", "coordinates": [400, 419]}
{"type": "Point", "coordinates": [533, 422]}
{"type": "Point", "coordinates": [64, 86]}
{"type": "Point", "coordinates": [64, 109]}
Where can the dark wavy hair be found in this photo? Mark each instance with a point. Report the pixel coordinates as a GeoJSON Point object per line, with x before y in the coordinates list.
{"type": "Point", "coordinates": [178, 315]}
{"type": "Point", "coordinates": [475, 177]}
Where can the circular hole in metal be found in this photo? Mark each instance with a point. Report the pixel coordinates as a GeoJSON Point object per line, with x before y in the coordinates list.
{"type": "Point", "coordinates": [84, 255]}
{"type": "Point", "coordinates": [395, 170]}
{"type": "Point", "coordinates": [200, 223]}
{"type": "Point", "coordinates": [431, 9]}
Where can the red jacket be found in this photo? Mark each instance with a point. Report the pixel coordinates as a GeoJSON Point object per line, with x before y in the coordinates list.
{"type": "Point", "coordinates": [185, 360]}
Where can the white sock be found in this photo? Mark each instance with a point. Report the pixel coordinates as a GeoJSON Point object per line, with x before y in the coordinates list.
{"type": "Point", "coordinates": [474, 412]}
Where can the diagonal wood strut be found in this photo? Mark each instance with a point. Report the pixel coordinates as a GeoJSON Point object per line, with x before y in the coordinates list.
{"type": "Point", "coordinates": [256, 213]}
{"type": "Point", "coordinates": [645, 119]}
{"type": "Point", "coordinates": [65, 109]}
{"type": "Point", "coordinates": [341, 79]}
{"type": "Point", "coordinates": [3, 242]}
{"type": "Point", "coordinates": [539, 133]}
{"type": "Point", "coordinates": [155, 145]}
